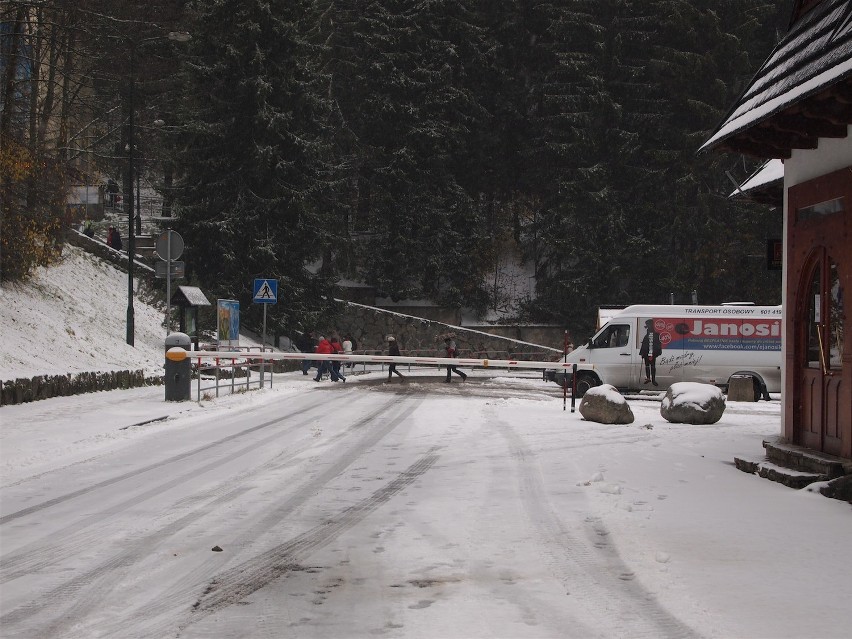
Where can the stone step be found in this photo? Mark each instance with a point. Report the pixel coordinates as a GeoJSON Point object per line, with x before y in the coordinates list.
{"type": "Point", "coordinates": [806, 460]}
{"type": "Point", "coordinates": [786, 476]}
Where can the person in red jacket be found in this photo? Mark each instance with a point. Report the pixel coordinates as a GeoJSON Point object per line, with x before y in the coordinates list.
{"type": "Point", "coordinates": [324, 348]}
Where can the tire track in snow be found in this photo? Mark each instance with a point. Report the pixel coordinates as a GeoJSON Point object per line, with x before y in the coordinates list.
{"type": "Point", "coordinates": [87, 589]}
{"type": "Point", "coordinates": [145, 469]}
{"type": "Point", "coordinates": [594, 577]}
{"type": "Point", "coordinates": [38, 555]}
{"type": "Point", "coordinates": [159, 616]}
{"type": "Point", "coordinates": [234, 585]}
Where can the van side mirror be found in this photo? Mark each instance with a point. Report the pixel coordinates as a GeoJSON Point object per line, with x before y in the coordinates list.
{"type": "Point", "coordinates": [589, 343]}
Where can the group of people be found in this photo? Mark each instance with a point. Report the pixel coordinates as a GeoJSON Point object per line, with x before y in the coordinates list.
{"type": "Point", "coordinates": [323, 345]}
{"type": "Point", "coordinates": [113, 238]}
{"type": "Point", "coordinates": [333, 345]}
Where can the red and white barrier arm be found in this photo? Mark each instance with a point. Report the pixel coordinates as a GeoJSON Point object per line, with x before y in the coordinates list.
{"type": "Point", "coordinates": [381, 359]}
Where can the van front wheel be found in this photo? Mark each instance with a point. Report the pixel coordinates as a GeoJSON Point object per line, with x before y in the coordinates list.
{"type": "Point", "coordinates": [586, 381]}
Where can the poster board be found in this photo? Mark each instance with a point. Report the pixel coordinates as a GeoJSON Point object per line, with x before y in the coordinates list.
{"type": "Point", "coordinates": [227, 324]}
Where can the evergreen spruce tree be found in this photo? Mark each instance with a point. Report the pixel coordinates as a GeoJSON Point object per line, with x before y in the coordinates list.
{"type": "Point", "coordinates": [251, 160]}
{"type": "Point", "coordinates": [584, 220]}
{"type": "Point", "coordinates": [638, 215]}
{"type": "Point", "coordinates": [400, 76]}
{"type": "Point", "coordinates": [700, 240]}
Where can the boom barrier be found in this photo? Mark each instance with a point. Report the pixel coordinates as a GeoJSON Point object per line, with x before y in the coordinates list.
{"type": "Point", "coordinates": [380, 359]}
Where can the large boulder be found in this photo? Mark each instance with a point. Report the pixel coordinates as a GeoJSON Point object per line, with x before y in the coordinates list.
{"type": "Point", "coordinates": [693, 403]}
{"type": "Point", "coordinates": [605, 405]}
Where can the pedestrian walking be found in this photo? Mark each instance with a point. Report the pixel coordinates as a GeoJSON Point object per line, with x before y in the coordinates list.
{"type": "Point", "coordinates": [324, 366]}
{"type": "Point", "coordinates": [348, 347]}
{"type": "Point", "coordinates": [393, 351]}
{"type": "Point", "coordinates": [337, 348]}
{"type": "Point", "coordinates": [450, 349]}
{"type": "Point", "coordinates": [307, 344]}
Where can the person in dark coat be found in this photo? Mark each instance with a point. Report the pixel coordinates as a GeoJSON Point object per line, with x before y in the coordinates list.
{"type": "Point", "coordinates": [114, 238]}
{"type": "Point", "coordinates": [650, 349]}
{"type": "Point", "coordinates": [307, 344]}
{"type": "Point", "coordinates": [393, 351]}
{"type": "Point", "coordinates": [450, 349]}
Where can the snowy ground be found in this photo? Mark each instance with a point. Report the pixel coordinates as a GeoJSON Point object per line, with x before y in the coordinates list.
{"type": "Point", "coordinates": [72, 318]}
{"type": "Point", "coordinates": [521, 520]}
{"type": "Point", "coordinates": [367, 509]}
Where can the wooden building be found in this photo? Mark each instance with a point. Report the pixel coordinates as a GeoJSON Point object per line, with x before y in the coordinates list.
{"type": "Point", "coordinates": [798, 108]}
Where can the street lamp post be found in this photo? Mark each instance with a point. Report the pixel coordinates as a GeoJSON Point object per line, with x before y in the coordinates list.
{"type": "Point", "coordinates": [176, 36]}
{"type": "Point", "coordinates": [128, 203]}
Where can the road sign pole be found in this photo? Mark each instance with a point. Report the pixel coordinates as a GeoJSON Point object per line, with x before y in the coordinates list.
{"type": "Point", "coordinates": [265, 291]}
{"type": "Point", "coordinates": [169, 248]}
{"type": "Point", "coordinates": [263, 348]}
{"type": "Point", "coordinates": [169, 283]}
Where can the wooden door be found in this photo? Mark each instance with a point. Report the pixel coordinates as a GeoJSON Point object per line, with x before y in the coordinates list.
{"type": "Point", "coordinates": [819, 328]}
{"type": "Point", "coordinates": [819, 237]}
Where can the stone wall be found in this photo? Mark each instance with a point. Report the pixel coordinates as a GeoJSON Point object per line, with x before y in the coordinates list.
{"type": "Point", "coordinates": [23, 390]}
{"type": "Point", "coordinates": [543, 334]}
{"type": "Point", "coordinates": [370, 327]}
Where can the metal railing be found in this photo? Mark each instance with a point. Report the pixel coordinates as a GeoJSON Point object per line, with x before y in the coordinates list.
{"type": "Point", "coordinates": [239, 360]}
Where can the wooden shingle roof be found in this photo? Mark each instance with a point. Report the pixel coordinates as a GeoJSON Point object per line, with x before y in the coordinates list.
{"type": "Point", "coordinates": [802, 92]}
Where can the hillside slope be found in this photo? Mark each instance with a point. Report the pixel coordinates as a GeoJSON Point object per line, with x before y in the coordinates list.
{"type": "Point", "coordinates": [71, 318]}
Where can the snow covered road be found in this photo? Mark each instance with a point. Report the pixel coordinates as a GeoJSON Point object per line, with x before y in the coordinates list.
{"type": "Point", "coordinates": [401, 510]}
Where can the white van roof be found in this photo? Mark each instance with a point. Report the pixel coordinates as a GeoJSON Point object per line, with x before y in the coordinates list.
{"type": "Point", "coordinates": [674, 310]}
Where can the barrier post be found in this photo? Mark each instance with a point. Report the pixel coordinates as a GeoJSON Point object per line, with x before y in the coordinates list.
{"type": "Point", "coordinates": [564, 385]}
{"type": "Point", "coordinates": [178, 367]}
{"type": "Point", "coordinates": [573, 386]}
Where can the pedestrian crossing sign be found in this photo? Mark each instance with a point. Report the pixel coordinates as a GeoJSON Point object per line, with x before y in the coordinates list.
{"type": "Point", "coordinates": [265, 291]}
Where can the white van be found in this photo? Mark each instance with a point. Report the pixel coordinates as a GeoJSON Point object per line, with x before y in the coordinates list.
{"type": "Point", "coordinates": [707, 344]}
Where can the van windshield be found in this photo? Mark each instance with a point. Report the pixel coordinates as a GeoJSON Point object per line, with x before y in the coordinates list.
{"type": "Point", "coordinates": [612, 336]}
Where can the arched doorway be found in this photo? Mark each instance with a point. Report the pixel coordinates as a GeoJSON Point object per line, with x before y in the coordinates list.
{"type": "Point", "coordinates": [820, 384]}
{"type": "Point", "coordinates": [817, 358]}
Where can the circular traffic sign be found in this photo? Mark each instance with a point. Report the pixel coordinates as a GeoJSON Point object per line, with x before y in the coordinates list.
{"type": "Point", "coordinates": [169, 250]}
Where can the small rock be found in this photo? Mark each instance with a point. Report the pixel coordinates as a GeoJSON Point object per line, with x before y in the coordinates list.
{"type": "Point", "coordinates": [216, 549]}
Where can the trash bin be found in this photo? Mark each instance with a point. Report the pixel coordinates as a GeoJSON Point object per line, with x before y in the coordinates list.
{"type": "Point", "coordinates": [741, 389]}
{"type": "Point", "coordinates": [178, 367]}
